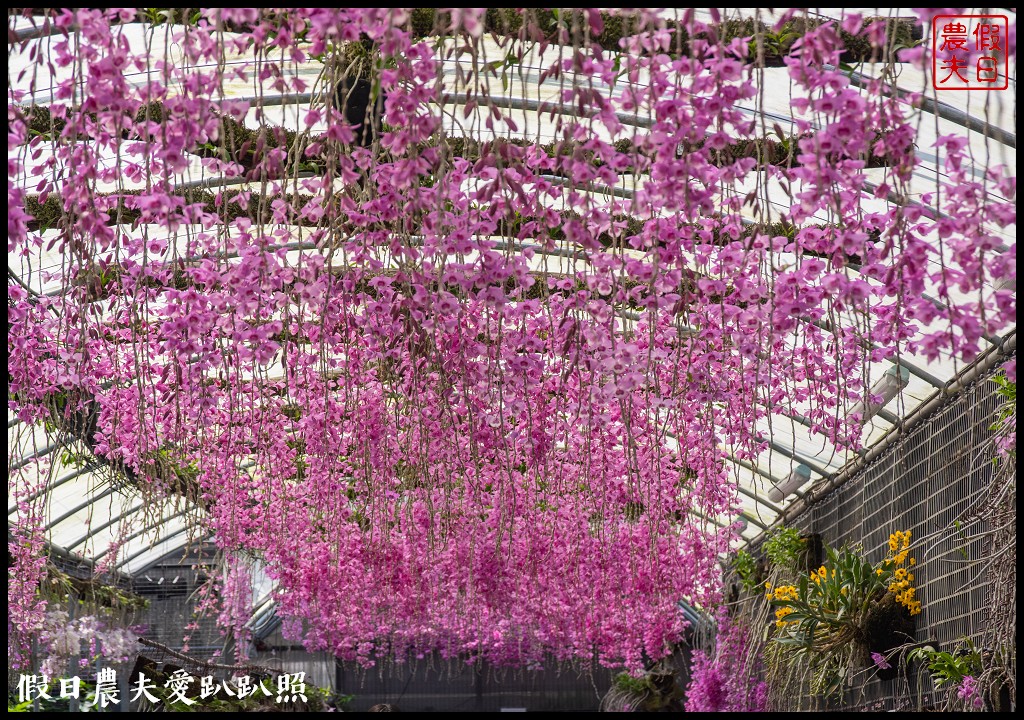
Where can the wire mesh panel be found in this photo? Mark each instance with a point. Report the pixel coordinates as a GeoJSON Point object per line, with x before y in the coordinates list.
{"type": "Point", "coordinates": [172, 617]}
{"type": "Point", "coordinates": [930, 482]}
{"type": "Point", "coordinates": [453, 686]}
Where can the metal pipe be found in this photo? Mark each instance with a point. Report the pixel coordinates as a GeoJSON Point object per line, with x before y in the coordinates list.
{"type": "Point", "coordinates": [34, 456]}
{"type": "Point", "coordinates": [544, 106]}
{"type": "Point", "coordinates": [57, 550]}
{"type": "Point", "coordinates": [34, 33]}
{"type": "Point", "coordinates": [94, 530]}
{"type": "Point", "coordinates": [591, 187]}
{"type": "Point", "coordinates": [142, 531]}
{"type": "Point", "coordinates": [277, 100]}
{"type": "Point", "coordinates": [888, 417]}
{"type": "Point", "coordinates": [944, 111]}
{"type": "Point", "coordinates": [956, 385]}
{"type": "Point", "coordinates": [794, 455]}
{"type": "Point", "coordinates": [144, 550]}
{"type": "Point", "coordinates": [66, 479]}
{"type": "Point", "coordinates": [750, 518]}
{"type": "Point", "coordinates": [759, 500]}
{"type": "Point", "coordinates": [83, 506]}
{"type": "Point", "coordinates": [228, 182]}
{"type": "Point", "coordinates": [753, 495]}
{"type": "Point", "coordinates": [155, 560]}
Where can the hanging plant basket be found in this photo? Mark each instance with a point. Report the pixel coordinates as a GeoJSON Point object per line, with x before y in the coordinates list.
{"type": "Point", "coordinates": [813, 552]}
{"type": "Point", "coordinates": [654, 691]}
{"type": "Point", "coordinates": [998, 698]}
{"type": "Point", "coordinates": [888, 626]}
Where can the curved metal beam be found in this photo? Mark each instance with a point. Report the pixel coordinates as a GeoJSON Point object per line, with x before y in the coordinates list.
{"type": "Point", "coordinates": [942, 110]}
{"type": "Point", "coordinates": [139, 554]}
{"type": "Point", "coordinates": [25, 460]}
{"type": "Point", "coordinates": [117, 518]}
{"type": "Point", "coordinates": [792, 454]}
{"type": "Point", "coordinates": [148, 528]}
{"type": "Point", "coordinates": [96, 498]}
{"type": "Point", "coordinates": [66, 479]}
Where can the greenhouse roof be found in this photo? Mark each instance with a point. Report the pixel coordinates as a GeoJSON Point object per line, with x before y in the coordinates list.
{"type": "Point", "coordinates": [91, 507]}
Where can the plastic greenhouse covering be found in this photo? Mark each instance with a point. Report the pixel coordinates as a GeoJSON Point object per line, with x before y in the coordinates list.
{"type": "Point", "coordinates": [102, 502]}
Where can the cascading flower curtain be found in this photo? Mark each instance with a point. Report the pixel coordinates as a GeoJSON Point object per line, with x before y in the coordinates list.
{"type": "Point", "coordinates": [471, 386]}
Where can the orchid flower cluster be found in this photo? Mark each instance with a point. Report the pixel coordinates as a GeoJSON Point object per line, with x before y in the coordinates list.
{"type": "Point", "coordinates": [970, 693]}
{"type": "Point", "coordinates": [474, 400]}
{"type": "Point", "coordinates": [725, 681]}
{"type": "Point", "coordinates": [830, 617]}
{"type": "Point", "coordinates": [820, 608]}
{"type": "Point", "coordinates": [88, 637]}
{"type": "Point", "coordinates": [27, 562]}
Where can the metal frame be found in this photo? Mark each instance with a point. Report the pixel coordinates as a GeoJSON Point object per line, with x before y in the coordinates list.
{"type": "Point", "coordinates": [92, 500]}
{"type": "Point", "coordinates": [66, 479]}
{"type": "Point", "coordinates": [142, 531]}
{"type": "Point", "coordinates": [822, 488]}
{"type": "Point", "coordinates": [939, 109]}
{"type": "Point", "coordinates": [148, 548]}
{"type": "Point", "coordinates": [96, 530]}
{"type": "Point", "coordinates": [25, 460]}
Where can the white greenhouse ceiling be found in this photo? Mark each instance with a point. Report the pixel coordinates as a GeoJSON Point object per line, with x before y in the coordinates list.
{"type": "Point", "coordinates": [89, 509]}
